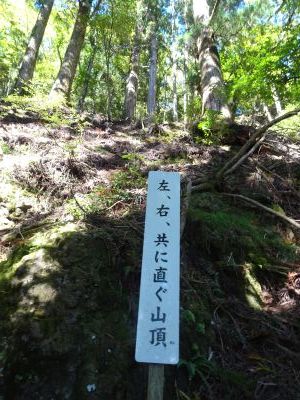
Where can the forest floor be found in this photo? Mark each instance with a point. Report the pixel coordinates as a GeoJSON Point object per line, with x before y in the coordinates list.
{"type": "Point", "coordinates": [72, 204]}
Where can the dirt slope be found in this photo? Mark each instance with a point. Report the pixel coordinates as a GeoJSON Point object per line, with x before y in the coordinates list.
{"type": "Point", "coordinates": [72, 203]}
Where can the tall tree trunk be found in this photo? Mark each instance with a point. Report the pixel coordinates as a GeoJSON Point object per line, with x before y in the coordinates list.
{"type": "Point", "coordinates": [174, 63]}
{"type": "Point", "coordinates": [175, 97]}
{"type": "Point", "coordinates": [212, 84]}
{"type": "Point", "coordinates": [185, 67]}
{"type": "Point", "coordinates": [132, 80]}
{"type": "Point", "coordinates": [63, 83]}
{"type": "Point", "coordinates": [185, 86]}
{"type": "Point", "coordinates": [26, 70]}
{"type": "Point", "coordinates": [133, 77]}
{"type": "Point", "coordinates": [151, 103]}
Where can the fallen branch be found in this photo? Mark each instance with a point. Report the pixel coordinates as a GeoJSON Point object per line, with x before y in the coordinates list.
{"type": "Point", "coordinates": [233, 163]}
{"type": "Point", "coordinates": [289, 220]}
{"type": "Point", "coordinates": [245, 156]}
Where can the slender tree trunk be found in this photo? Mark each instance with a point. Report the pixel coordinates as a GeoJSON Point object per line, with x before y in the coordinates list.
{"type": "Point", "coordinates": [185, 86]}
{"type": "Point", "coordinates": [175, 97]}
{"type": "Point", "coordinates": [277, 101]}
{"type": "Point", "coordinates": [132, 80]}
{"type": "Point", "coordinates": [151, 103]}
{"type": "Point", "coordinates": [174, 63]}
{"type": "Point", "coordinates": [185, 67]}
{"type": "Point", "coordinates": [63, 84]}
{"type": "Point", "coordinates": [109, 88]}
{"type": "Point", "coordinates": [267, 112]}
{"type": "Point", "coordinates": [26, 70]}
{"type": "Point", "coordinates": [85, 86]}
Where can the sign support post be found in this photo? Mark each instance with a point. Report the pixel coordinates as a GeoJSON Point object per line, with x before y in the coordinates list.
{"type": "Point", "coordinates": [158, 318]}
{"type": "Point", "coordinates": [156, 382]}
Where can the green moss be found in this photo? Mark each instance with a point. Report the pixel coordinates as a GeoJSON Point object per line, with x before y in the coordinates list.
{"type": "Point", "coordinates": [237, 234]}
{"type": "Point", "coordinates": [129, 178]}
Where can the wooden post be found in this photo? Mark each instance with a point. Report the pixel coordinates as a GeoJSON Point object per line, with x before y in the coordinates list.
{"type": "Point", "coordinates": [156, 382]}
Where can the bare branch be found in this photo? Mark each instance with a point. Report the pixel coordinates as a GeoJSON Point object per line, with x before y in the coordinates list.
{"type": "Point", "coordinates": [214, 12]}
{"type": "Point", "coordinates": [245, 156]}
{"type": "Point", "coordinates": [289, 220]}
{"type": "Point", "coordinates": [257, 135]}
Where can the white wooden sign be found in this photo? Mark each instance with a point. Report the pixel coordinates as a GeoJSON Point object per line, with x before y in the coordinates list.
{"type": "Point", "coordinates": [158, 317]}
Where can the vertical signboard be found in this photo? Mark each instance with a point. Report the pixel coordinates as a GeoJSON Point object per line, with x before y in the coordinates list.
{"type": "Point", "coordinates": [158, 317]}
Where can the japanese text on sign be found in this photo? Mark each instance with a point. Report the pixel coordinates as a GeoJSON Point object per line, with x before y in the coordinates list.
{"type": "Point", "coordinates": [158, 317]}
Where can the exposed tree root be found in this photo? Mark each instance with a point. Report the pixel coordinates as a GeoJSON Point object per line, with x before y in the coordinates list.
{"type": "Point", "coordinates": [289, 220]}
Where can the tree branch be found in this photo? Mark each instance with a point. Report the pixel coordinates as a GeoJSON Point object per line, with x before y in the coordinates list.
{"type": "Point", "coordinates": [245, 156]}
{"type": "Point", "coordinates": [257, 135]}
{"type": "Point", "coordinates": [289, 220]}
{"type": "Point", "coordinates": [214, 12]}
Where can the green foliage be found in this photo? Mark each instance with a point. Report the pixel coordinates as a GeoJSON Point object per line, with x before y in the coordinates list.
{"type": "Point", "coordinates": [260, 58]}
{"type": "Point", "coordinates": [212, 128]}
{"type": "Point", "coordinates": [201, 367]}
{"type": "Point", "coordinates": [268, 43]}
{"type": "Point", "coordinates": [5, 148]}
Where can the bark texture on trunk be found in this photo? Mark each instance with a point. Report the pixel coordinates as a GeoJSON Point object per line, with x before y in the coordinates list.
{"type": "Point", "coordinates": [132, 80]}
{"type": "Point", "coordinates": [151, 103]}
{"type": "Point", "coordinates": [212, 84]}
{"type": "Point", "coordinates": [27, 68]}
{"type": "Point", "coordinates": [63, 83]}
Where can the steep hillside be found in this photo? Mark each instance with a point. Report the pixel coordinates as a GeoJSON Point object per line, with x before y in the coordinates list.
{"type": "Point", "coordinates": [72, 203]}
